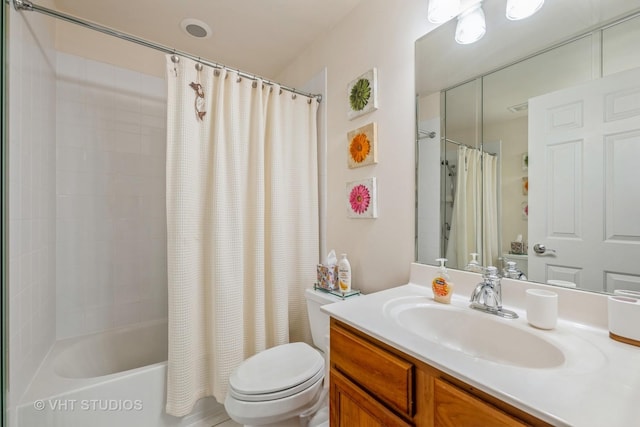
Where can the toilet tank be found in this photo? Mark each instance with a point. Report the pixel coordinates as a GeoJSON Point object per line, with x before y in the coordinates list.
{"type": "Point", "coordinates": [319, 321]}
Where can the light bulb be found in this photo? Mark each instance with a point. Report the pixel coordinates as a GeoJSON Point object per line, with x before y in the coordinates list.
{"type": "Point", "coordinates": [520, 9]}
{"type": "Point", "coordinates": [471, 25]}
{"type": "Point", "coordinates": [442, 10]}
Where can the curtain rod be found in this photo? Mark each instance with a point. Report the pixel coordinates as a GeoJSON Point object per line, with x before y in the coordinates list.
{"type": "Point", "coordinates": [29, 6]}
{"type": "Point", "coordinates": [468, 146]}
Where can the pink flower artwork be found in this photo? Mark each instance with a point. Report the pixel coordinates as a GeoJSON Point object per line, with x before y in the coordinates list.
{"type": "Point", "coordinates": [361, 199]}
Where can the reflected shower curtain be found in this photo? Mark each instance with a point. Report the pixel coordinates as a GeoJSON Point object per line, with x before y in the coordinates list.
{"type": "Point", "coordinates": [490, 250]}
{"type": "Point", "coordinates": [242, 225]}
{"type": "Point", "coordinates": [465, 218]}
{"type": "Point", "coordinates": [476, 193]}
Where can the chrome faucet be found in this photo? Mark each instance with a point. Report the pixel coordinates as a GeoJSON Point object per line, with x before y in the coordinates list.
{"type": "Point", "coordinates": [487, 296]}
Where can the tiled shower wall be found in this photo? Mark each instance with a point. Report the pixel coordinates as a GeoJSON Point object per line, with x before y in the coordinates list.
{"type": "Point", "coordinates": [110, 174]}
{"type": "Point", "coordinates": [31, 293]}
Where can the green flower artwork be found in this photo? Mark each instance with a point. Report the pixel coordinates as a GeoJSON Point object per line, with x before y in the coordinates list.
{"type": "Point", "coordinates": [362, 94]}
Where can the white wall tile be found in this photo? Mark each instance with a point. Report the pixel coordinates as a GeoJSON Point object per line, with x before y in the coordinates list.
{"type": "Point", "coordinates": [31, 187]}
{"type": "Point", "coordinates": [104, 173]}
{"type": "Point", "coordinates": [62, 233]}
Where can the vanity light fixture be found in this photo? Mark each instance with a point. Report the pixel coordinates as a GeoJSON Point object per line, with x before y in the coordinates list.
{"type": "Point", "coordinates": [471, 25]}
{"type": "Point", "coordinates": [520, 9]}
{"type": "Point", "coordinates": [441, 11]}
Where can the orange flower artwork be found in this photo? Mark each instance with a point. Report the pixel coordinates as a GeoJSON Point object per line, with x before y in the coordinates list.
{"type": "Point", "coordinates": [361, 150]}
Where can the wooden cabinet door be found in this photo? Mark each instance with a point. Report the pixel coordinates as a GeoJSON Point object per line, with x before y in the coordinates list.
{"type": "Point", "coordinates": [350, 406]}
{"type": "Point", "coordinates": [455, 407]}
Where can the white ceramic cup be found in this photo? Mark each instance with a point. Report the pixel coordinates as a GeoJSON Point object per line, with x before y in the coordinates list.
{"type": "Point", "coordinates": [542, 308]}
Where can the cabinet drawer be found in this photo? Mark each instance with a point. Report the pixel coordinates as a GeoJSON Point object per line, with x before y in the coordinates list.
{"type": "Point", "coordinates": [350, 406]}
{"type": "Point", "coordinates": [455, 407]}
{"type": "Point", "coordinates": [384, 375]}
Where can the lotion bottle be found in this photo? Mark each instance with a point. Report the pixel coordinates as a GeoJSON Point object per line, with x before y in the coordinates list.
{"type": "Point", "coordinates": [344, 274]}
{"type": "Point", "coordinates": [441, 285]}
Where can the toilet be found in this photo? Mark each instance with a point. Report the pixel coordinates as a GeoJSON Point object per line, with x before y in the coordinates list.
{"type": "Point", "coordinates": [278, 386]}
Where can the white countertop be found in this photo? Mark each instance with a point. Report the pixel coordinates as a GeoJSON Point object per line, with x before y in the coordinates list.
{"type": "Point", "coordinates": [597, 385]}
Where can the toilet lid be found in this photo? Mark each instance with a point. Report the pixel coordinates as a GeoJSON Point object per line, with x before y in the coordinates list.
{"type": "Point", "coordinates": [276, 369]}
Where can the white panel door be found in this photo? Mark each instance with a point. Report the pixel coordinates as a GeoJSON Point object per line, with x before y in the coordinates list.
{"type": "Point", "coordinates": [584, 184]}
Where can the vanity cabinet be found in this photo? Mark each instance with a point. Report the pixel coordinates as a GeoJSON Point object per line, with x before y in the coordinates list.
{"type": "Point", "coordinates": [374, 384]}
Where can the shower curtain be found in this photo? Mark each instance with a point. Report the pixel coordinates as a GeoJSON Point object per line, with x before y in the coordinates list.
{"type": "Point", "coordinates": [490, 232]}
{"type": "Point", "coordinates": [474, 220]}
{"type": "Point", "coordinates": [242, 224]}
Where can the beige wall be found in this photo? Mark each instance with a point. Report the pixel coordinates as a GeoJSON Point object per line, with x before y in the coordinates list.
{"type": "Point", "coordinates": [514, 137]}
{"type": "Point", "coordinates": [377, 33]}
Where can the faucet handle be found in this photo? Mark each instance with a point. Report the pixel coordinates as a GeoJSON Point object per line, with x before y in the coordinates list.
{"type": "Point", "coordinates": [491, 272]}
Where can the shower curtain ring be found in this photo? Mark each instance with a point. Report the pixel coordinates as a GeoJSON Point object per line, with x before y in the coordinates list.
{"type": "Point", "coordinates": [199, 66]}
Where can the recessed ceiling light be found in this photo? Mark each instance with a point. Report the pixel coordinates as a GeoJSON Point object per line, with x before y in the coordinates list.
{"type": "Point", "coordinates": [195, 28]}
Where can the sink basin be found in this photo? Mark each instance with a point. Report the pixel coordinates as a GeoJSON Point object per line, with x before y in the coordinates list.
{"type": "Point", "coordinates": [473, 333]}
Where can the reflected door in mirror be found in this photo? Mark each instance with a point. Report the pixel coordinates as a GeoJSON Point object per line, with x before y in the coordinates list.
{"type": "Point", "coordinates": [584, 152]}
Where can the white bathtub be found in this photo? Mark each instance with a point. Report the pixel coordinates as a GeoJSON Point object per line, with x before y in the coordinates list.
{"type": "Point", "coordinates": [114, 378]}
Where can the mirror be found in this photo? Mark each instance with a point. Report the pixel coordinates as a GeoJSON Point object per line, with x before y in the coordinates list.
{"type": "Point", "coordinates": [489, 98]}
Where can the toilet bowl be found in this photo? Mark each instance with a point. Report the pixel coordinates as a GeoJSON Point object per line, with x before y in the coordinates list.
{"type": "Point", "coordinates": [278, 386]}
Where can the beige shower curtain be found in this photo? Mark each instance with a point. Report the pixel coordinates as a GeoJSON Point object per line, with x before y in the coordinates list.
{"type": "Point", "coordinates": [465, 218]}
{"type": "Point", "coordinates": [242, 224]}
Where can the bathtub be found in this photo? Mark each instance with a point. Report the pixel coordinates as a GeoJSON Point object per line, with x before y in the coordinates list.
{"type": "Point", "coordinates": [113, 378]}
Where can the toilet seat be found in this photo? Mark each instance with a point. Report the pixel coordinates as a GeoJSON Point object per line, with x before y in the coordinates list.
{"type": "Point", "coordinates": [273, 411]}
{"type": "Point", "coordinates": [277, 373]}
{"type": "Point", "coordinates": [295, 389]}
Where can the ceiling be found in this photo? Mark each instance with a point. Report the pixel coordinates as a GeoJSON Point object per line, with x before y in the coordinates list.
{"type": "Point", "coordinates": [256, 36]}
{"type": "Point", "coordinates": [443, 63]}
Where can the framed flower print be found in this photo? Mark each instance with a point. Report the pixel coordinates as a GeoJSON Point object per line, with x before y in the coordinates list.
{"type": "Point", "coordinates": [362, 146]}
{"type": "Point", "coordinates": [362, 199]}
{"type": "Point", "coordinates": [362, 94]}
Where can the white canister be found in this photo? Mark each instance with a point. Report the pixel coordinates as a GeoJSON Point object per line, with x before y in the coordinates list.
{"type": "Point", "coordinates": [624, 318]}
{"type": "Point", "coordinates": [542, 308]}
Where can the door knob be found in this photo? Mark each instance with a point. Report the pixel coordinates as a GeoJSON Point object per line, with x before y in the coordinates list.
{"type": "Point", "coordinates": [541, 249]}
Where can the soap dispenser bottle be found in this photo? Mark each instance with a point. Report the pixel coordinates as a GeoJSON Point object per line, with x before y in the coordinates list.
{"type": "Point", "coordinates": [441, 285]}
{"type": "Point", "coordinates": [474, 265]}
